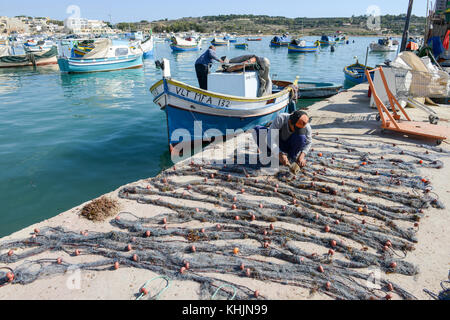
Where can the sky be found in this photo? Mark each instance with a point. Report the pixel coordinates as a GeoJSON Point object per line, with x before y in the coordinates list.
{"type": "Point", "coordinates": [137, 10]}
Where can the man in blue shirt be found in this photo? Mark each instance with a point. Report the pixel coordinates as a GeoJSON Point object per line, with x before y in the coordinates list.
{"type": "Point", "coordinates": [202, 66]}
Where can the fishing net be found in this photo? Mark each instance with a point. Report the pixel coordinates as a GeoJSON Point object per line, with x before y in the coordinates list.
{"type": "Point", "coordinates": [350, 210]}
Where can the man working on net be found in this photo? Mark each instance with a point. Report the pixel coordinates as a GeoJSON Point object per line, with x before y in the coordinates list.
{"type": "Point", "coordinates": [295, 137]}
{"type": "Point", "coordinates": [202, 66]}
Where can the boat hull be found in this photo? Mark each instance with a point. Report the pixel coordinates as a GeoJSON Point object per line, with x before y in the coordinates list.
{"type": "Point", "coordinates": [184, 105]}
{"type": "Point", "coordinates": [241, 46]}
{"type": "Point", "coordinates": [327, 43]}
{"type": "Point", "coordinates": [356, 73]}
{"type": "Point", "coordinates": [177, 48]}
{"type": "Point", "coordinates": [295, 49]}
{"type": "Point", "coordinates": [317, 90]}
{"type": "Point", "coordinates": [99, 65]}
{"type": "Point", "coordinates": [279, 44]}
{"type": "Point", "coordinates": [374, 47]}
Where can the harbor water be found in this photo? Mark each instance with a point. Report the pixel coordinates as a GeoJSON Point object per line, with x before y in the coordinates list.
{"type": "Point", "coordinates": [66, 139]}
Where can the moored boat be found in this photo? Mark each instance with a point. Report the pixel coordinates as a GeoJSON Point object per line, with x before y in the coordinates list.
{"type": "Point", "coordinates": [355, 73]}
{"type": "Point", "coordinates": [180, 45]}
{"type": "Point", "coordinates": [232, 102]}
{"type": "Point", "coordinates": [30, 59]}
{"type": "Point", "coordinates": [254, 39]}
{"type": "Point", "coordinates": [147, 47]}
{"type": "Point", "coordinates": [315, 90]}
{"type": "Point", "coordinates": [302, 46]}
{"type": "Point", "coordinates": [384, 45]}
{"type": "Point", "coordinates": [219, 42]}
{"type": "Point", "coordinates": [38, 46]}
{"type": "Point", "coordinates": [326, 41]}
{"type": "Point", "coordinates": [104, 57]}
{"type": "Point", "coordinates": [282, 41]}
{"type": "Point", "coordinates": [241, 46]}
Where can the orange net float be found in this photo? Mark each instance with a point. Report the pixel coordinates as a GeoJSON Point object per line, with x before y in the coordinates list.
{"type": "Point", "coordinates": [10, 276]}
{"type": "Point", "coordinates": [390, 287]}
{"type": "Point", "coordinates": [37, 230]}
{"type": "Point", "coordinates": [236, 251]}
{"type": "Point", "coordinates": [116, 265]}
{"type": "Point", "coordinates": [242, 267]}
{"type": "Point", "coordinates": [233, 207]}
{"type": "Point", "coordinates": [10, 253]}
{"type": "Point", "coordinates": [183, 270]}
{"type": "Point", "coordinates": [129, 248]}
{"type": "Point", "coordinates": [328, 285]}
{"type": "Point", "coordinates": [327, 229]}
{"type": "Point", "coordinates": [193, 249]}
{"type": "Point", "coordinates": [144, 291]}
{"type": "Point", "coordinates": [237, 218]}
{"type": "Point", "coordinates": [147, 234]}
{"type": "Point", "coordinates": [256, 294]}
{"type": "Point", "coordinates": [135, 258]}
{"type": "Point", "coordinates": [77, 252]}
{"type": "Point", "coordinates": [248, 272]}
{"type": "Point", "coordinates": [320, 269]}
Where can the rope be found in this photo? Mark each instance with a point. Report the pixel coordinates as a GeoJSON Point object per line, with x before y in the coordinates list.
{"type": "Point", "coordinates": [156, 297]}
{"type": "Point", "coordinates": [224, 286]}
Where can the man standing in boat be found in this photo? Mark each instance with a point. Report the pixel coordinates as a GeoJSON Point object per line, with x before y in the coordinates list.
{"type": "Point", "coordinates": [202, 66]}
{"type": "Point", "coordinates": [294, 137]}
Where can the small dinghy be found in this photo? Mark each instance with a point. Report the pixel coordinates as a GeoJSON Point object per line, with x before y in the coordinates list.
{"type": "Point", "coordinates": [8, 60]}
{"type": "Point", "coordinates": [219, 42]}
{"type": "Point", "coordinates": [316, 90]}
{"type": "Point", "coordinates": [355, 73]}
{"type": "Point", "coordinates": [302, 46]}
{"type": "Point", "coordinates": [241, 46]}
{"type": "Point", "coordinates": [180, 45]}
{"type": "Point", "coordinates": [282, 41]}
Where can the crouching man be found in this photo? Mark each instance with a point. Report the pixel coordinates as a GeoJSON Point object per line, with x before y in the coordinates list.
{"type": "Point", "coordinates": [294, 137]}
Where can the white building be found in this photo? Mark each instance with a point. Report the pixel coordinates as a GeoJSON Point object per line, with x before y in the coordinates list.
{"type": "Point", "coordinates": [82, 25]}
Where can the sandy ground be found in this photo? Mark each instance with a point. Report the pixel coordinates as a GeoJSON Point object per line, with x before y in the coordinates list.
{"type": "Point", "coordinates": [346, 116]}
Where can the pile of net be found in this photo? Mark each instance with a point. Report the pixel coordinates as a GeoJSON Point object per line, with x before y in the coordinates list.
{"type": "Point", "coordinates": [349, 211]}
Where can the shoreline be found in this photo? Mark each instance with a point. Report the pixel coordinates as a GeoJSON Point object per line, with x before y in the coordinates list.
{"type": "Point", "coordinates": [347, 111]}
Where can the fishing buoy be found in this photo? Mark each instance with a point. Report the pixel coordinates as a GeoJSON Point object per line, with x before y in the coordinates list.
{"type": "Point", "coordinates": [364, 164]}
{"type": "Point", "coordinates": [10, 253]}
{"type": "Point", "coordinates": [261, 206]}
{"type": "Point", "coordinates": [393, 265]}
{"type": "Point", "coordinates": [116, 265]}
{"type": "Point", "coordinates": [117, 218]}
{"type": "Point", "coordinates": [197, 210]}
{"type": "Point", "coordinates": [144, 291]}
{"type": "Point", "coordinates": [242, 267]}
{"type": "Point", "coordinates": [320, 154]}
{"type": "Point", "coordinates": [229, 177]}
{"type": "Point", "coordinates": [333, 243]}
{"type": "Point", "coordinates": [266, 245]}
{"type": "Point", "coordinates": [275, 190]}
{"type": "Point", "coordinates": [327, 229]}
{"type": "Point", "coordinates": [416, 224]}
{"type": "Point", "coordinates": [272, 227]}
{"type": "Point", "coordinates": [233, 207]}
{"type": "Point", "coordinates": [294, 201]}
{"type": "Point", "coordinates": [242, 191]}
{"type": "Point", "coordinates": [331, 252]}
{"type": "Point", "coordinates": [253, 217]}
{"type": "Point", "coordinates": [421, 162]}
{"type": "Point", "coordinates": [360, 209]}
{"type": "Point", "coordinates": [193, 249]}
{"type": "Point", "coordinates": [360, 190]}
{"type": "Point", "coordinates": [164, 181]}
{"type": "Point", "coordinates": [337, 222]}
{"type": "Point", "coordinates": [148, 187]}
{"type": "Point", "coordinates": [320, 269]}
{"type": "Point", "coordinates": [388, 243]}
{"type": "Point", "coordinates": [284, 208]}
{"type": "Point", "coordinates": [247, 176]}
{"type": "Point", "coordinates": [187, 265]}
{"type": "Point", "coordinates": [206, 180]}
{"type": "Point", "coordinates": [212, 175]}
{"type": "Point", "coordinates": [189, 187]}
{"type": "Point", "coordinates": [164, 221]}
{"type": "Point", "coordinates": [203, 231]}
{"type": "Point", "coordinates": [390, 287]}
{"type": "Point", "coordinates": [265, 232]}
{"type": "Point", "coordinates": [234, 199]}
{"type": "Point", "coordinates": [147, 234]}
{"type": "Point", "coordinates": [424, 180]}
{"type": "Point", "coordinates": [248, 272]}
{"type": "Point", "coordinates": [77, 252]}
{"type": "Point", "coordinates": [389, 296]}
{"type": "Point", "coordinates": [236, 251]}
{"type": "Point", "coordinates": [129, 247]}
{"type": "Point", "coordinates": [328, 286]}
{"type": "Point", "coordinates": [135, 258]}
{"type": "Point", "coordinates": [218, 227]}
{"type": "Point", "coordinates": [237, 218]}
{"type": "Point", "coordinates": [385, 248]}
{"type": "Point", "coordinates": [36, 231]}
{"type": "Point", "coordinates": [59, 260]}
{"type": "Point", "coordinates": [256, 294]}
{"type": "Point", "coordinates": [165, 227]}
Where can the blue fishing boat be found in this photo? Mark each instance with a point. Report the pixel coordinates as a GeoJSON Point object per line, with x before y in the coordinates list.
{"type": "Point", "coordinates": [313, 90]}
{"type": "Point", "coordinates": [282, 41]}
{"type": "Point", "coordinates": [219, 42]}
{"type": "Point", "coordinates": [241, 46]}
{"type": "Point", "coordinates": [180, 45]}
{"type": "Point", "coordinates": [326, 41]}
{"type": "Point", "coordinates": [236, 99]}
{"type": "Point", "coordinates": [302, 46]}
{"type": "Point", "coordinates": [104, 57]}
{"type": "Point", "coordinates": [355, 73]}
{"type": "Point", "coordinates": [230, 39]}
